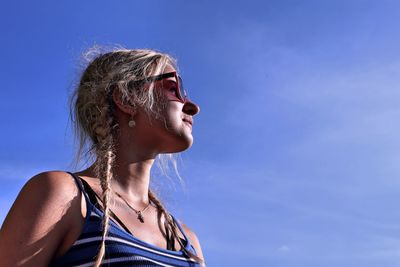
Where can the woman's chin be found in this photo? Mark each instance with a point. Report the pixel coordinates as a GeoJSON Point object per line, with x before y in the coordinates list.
{"type": "Point", "coordinates": [183, 145]}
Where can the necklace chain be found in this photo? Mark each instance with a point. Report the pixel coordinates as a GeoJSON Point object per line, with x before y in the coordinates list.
{"type": "Point", "coordinates": [139, 213]}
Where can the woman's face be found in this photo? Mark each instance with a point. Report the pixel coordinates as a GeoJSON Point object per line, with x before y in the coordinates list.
{"type": "Point", "coordinates": [172, 132]}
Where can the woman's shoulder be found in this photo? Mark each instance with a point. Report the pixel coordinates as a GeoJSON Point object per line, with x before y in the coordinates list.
{"type": "Point", "coordinates": [43, 213]}
{"type": "Point", "coordinates": [50, 192]}
{"type": "Point", "coordinates": [193, 239]}
{"type": "Point", "coordinates": [50, 177]}
{"type": "Point", "coordinates": [57, 185]}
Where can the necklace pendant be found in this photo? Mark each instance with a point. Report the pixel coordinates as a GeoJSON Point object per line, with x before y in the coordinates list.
{"type": "Point", "coordinates": [140, 217]}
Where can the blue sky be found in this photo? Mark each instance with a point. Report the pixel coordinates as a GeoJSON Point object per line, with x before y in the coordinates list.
{"type": "Point", "coordinates": [296, 154]}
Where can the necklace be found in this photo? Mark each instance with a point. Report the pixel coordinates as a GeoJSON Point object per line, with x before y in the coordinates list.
{"type": "Point", "coordinates": [139, 213]}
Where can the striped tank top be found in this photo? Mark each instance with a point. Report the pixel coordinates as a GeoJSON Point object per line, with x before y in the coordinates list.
{"type": "Point", "coordinates": [122, 248]}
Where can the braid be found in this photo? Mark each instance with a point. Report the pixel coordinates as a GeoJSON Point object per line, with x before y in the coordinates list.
{"type": "Point", "coordinates": [103, 169]}
{"type": "Point", "coordinates": [105, 186]}
{"type": "Point", "coordinates": [171, 229]}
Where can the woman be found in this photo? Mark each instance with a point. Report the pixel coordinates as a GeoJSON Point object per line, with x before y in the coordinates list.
{"type": "Point", "coordinates": [128, 108]}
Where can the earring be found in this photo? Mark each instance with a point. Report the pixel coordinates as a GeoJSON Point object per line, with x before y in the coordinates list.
{"type": "Point", "coordinates": [131, 123]}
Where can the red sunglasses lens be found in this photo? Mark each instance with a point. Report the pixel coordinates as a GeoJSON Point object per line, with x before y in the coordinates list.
{"type": "Point", "coordinates": [182, 91]}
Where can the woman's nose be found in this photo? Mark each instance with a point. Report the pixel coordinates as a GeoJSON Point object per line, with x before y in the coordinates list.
{"type": "Point", "coordinates": [190, 108]}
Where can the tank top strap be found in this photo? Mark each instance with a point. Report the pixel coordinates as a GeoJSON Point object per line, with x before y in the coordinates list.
{"type": "Point", "coordinates": [188, 244]}
{"type": "Point", "coordinates": [81, 187]}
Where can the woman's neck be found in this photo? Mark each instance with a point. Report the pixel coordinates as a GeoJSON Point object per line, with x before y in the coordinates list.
{"type": "Point", "coordinates": [131, 178]}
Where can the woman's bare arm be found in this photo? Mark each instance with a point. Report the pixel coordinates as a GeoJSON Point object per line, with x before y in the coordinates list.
{"type": "Point", "coordinates": [39, 220]}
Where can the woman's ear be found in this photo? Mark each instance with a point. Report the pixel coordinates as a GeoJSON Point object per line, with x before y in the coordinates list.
{"type": "Point", "coordinates": [122, 105]}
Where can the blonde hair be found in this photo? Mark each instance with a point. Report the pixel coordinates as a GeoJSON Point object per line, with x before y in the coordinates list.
{"type": "Point", "coordinates": [92, 111]}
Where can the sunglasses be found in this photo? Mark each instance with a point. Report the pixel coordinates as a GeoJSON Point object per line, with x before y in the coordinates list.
{"type": "Point", "coordinates": [173, 90]}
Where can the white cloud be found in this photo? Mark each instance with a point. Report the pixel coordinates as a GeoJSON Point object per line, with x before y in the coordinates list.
{"type": "Point", "coordinates": [284, 249]}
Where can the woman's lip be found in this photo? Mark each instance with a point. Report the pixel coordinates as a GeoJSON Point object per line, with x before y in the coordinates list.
{"type": "Point", "coordinates": [189, 122]}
